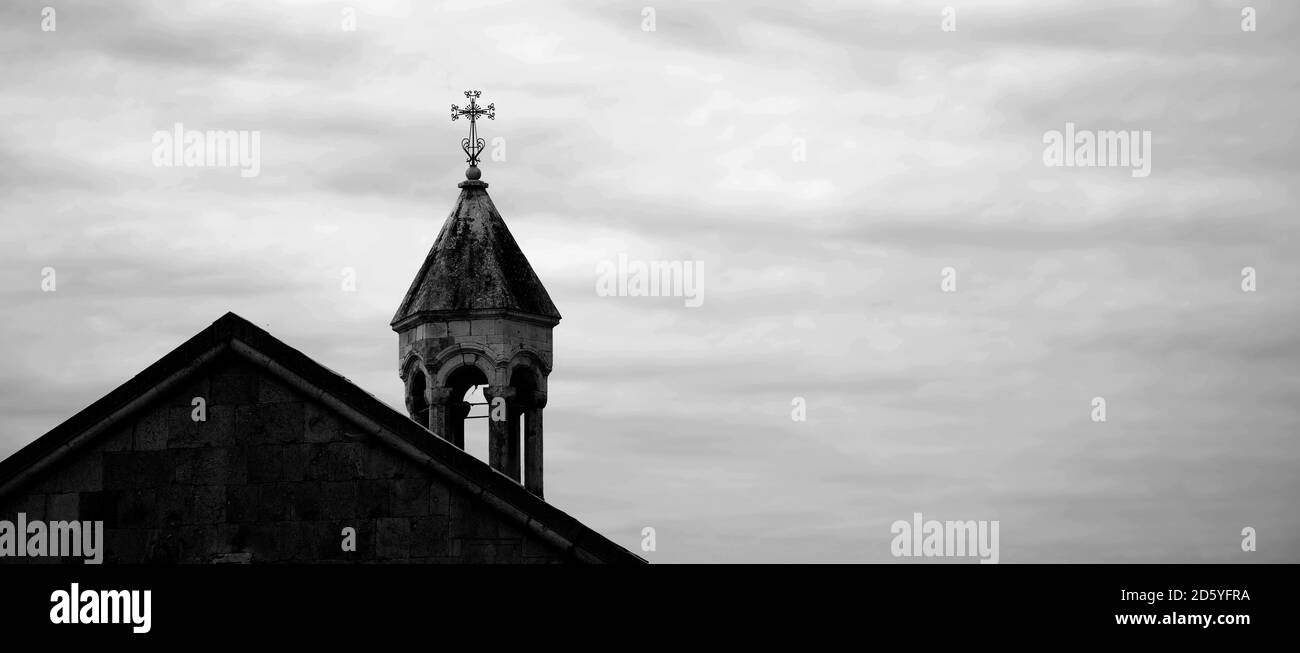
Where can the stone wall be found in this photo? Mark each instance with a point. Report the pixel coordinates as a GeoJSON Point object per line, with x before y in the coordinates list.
{"type": "Point", "coordinates": [502, 337]}
{"type": "Point", "coordinates": [270, 476]}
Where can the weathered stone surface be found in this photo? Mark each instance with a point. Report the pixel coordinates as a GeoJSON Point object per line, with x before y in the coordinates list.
{"type": "Point", "coordinates": [173, 506]}
{"type": "Point", "coordinates": [339, 461]}
{"type": "Point", "coordinates": [32, 505]}
{"type": "Point", "coordinates": [121, 440]}
{"type": "Point", "coordinates": [373, 499]}
{"type": "Point", "coordinates": [64, 506]}
{"type": "Point", "coordinates": [265, 464]}
{"type": "Point", "coordinates": [471, 519]}
{"type": "Point", "coordinates": [233, 389]}
{"type": "Point", "coordinates": [92, 507]}
{"type": "Point", "coordinates": [322, 425]}
{"type": "Point", "coordinates": [382, 462]}
{"type": "Point", "coordinates": [269, 477]}
{"type": "Point", "coordinates": [273, 391]}
{"type": "Point", "coordinates": [491, 550]}
{"type": "Point", "coordinates": [297, 461]}
{"type": "Point", "coordinates": [247, 424]}
{"type": "Point", "coordinates": [182, 429]}
{"type": "Point", "coordinates": [394, 537]}
{"type": "Point", "coordinates": [276, 502]}
{"type": "Point", "coordinates": [84, 473]}
{"type": "Point", "coordinates": [307, 498]}
{"type": "Point", "coordinates": [196, 387]}
{"type": "Point", "coordinates": [475, 264]}
{"type": "Point", "coordinates": [135, 508]}
{"type": "Point", "coordinates": [150, 432]}
{"type": "Point", "coordinates": [219, 429]}
{"type": "Point", "coordinates": [279, 423]}
{"type": "Point", "coordinates": [339, 500]}
{"type": "Point", "coordinates": [410, 497]}
{"type": "Point", "coordinates": [209, 505]}
{"type": "Point", "coordinates": [135, 469]}
{"type": "Point", "coordinates": [241, 503]}
{"type": "Point", "coordinates": [430, 536]}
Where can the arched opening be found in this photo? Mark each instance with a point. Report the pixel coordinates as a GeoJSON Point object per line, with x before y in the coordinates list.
{"type": "Point", "coordinates": [417, 399]}
{"type": "Point", "coordinates": [524, 430]}
{"type": "Point", "coordinates": [468, 415]}
{"type": "Point", "coordinates": [523, 378]}
{"type": "Point", "coordinates": [475, 424]}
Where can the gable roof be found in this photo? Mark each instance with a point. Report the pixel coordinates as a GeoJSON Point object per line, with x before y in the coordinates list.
{"type": "Point", "coordinates": [475, 264]}
{"type": "Point", "coordinates": [232, 333]}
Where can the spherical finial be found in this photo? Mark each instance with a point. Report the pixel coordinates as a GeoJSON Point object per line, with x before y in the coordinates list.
{"type": "Point", "coordinates": [473, 173]}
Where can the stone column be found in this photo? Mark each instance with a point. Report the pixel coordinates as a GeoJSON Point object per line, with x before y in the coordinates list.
{"type": "Point", "coordinates": [513, 453]}
{"type": "Point", "coordinates": [533, 450]}
{"type": "Point", "coordinates": [457, 411]}
{"type": "Point", "coordinates": [499, 431]}
{"type": "Point", "coordinates": [439, 413]}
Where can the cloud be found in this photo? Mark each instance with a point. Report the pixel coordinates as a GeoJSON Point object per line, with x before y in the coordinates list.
{"type": "Point", "coordinates": [923, 150]}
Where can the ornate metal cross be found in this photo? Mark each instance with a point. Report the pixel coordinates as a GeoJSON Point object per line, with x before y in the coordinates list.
{"type": "Point", "coordinates": [473, 145]}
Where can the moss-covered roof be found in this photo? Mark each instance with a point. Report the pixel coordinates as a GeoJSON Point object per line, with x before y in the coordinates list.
{"type": "Point", "coordinates": [475, 264]}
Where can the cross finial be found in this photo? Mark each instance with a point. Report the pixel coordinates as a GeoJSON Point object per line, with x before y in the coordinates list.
{"type": "Point", "coordinates": [473, 145]}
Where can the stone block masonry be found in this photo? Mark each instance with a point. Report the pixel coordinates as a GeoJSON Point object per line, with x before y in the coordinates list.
{"type": "Point", "coordinates": [270, 476]}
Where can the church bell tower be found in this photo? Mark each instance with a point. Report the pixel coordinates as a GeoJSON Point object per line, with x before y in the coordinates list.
{"type": "Point", "coordinates": [476, 314]}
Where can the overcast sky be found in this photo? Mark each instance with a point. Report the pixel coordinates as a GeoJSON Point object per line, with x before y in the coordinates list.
{"type": "Point", "coordinates": [922, 149]}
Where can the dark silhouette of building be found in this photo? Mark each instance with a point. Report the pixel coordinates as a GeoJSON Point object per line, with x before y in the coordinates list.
{"type": "Point", "coordinates": [235, 447]}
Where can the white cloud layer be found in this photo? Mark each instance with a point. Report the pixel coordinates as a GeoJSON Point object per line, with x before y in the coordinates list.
{"type": "Point", "coordinates": [923, 151]}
